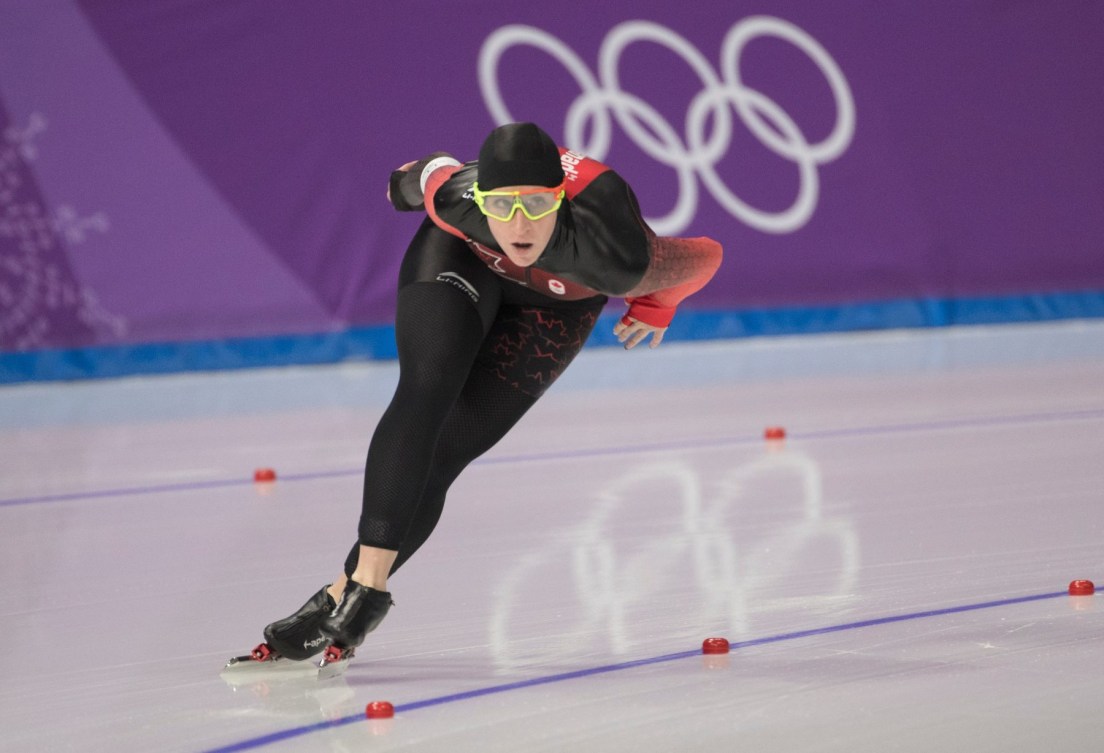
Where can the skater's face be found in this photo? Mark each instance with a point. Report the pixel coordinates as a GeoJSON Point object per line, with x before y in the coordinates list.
{"type": "Point", "coordinates": [521, 219]}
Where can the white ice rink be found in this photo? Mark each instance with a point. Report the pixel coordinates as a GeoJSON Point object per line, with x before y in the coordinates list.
{"type": "Point", "coordinates": [893, 576]}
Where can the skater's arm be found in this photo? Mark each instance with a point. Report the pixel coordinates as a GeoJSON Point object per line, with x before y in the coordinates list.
{"type": "Point", "coordinates": [679, 268]}
{"type": "Point", "coordinates": [406, 190]}
{"type": "Point", "coordinates": [414, 187]}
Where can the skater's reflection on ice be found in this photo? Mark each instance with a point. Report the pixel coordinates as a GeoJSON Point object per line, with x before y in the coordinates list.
{"type": "Point", "coordinates": [693, 551]}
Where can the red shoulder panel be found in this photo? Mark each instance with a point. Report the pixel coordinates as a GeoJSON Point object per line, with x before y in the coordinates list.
{"type": "Point", "coordinates": [579, 171]}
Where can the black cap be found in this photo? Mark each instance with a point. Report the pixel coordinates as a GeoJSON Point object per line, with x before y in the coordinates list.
{"type": "Point", "coordinates": [519, 154]}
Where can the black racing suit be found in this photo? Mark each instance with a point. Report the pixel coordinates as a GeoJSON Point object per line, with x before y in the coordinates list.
{"type": "Point", "coordinates": [480, 339]}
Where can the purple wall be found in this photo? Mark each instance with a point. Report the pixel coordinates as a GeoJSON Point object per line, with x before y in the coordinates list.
{"type": "Point", "coordinates": [182, 170]}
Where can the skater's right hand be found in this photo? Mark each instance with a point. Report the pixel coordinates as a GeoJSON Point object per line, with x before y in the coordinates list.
{"type": "Point", "coordinates": [400, 169]}
{"type": "Point", "coordinates": [405, 189]}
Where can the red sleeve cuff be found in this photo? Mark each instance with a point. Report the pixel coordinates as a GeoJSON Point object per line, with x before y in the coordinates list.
{"type": "Point", "coordinates": [648, 311]}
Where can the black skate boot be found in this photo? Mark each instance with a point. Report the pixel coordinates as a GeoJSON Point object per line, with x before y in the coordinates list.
{"type": "Point", "coordinates": [361, 610]}
{"type": "Point", "coordinates": [300, 636]}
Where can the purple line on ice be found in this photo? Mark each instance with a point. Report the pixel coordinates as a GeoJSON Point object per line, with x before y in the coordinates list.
{"type": "Point", "coordinates": [858, 431]}
{"type": "Point", "coordinates": [258, 742]}
{"type": "Point", "coordinates": [184, 486]}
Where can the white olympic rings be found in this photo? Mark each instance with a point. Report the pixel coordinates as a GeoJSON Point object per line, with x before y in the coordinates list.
{"type": "Point", "coordinates": [708, 119]}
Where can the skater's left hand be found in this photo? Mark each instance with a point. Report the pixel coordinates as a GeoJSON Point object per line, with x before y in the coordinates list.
{"type": "Point", "coordinates": [631, 331]}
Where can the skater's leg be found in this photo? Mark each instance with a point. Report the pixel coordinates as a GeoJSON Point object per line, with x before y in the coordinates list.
{"type": "Point", "coordinates": [438, 334]}
{"type": "Point", "coordinates": [485, 411]}
{"type": "Point", "coordinates": [447, 300]}
{"type": "Point", "coordinates": [433, 362]}
{"type": "Point", "coordinates": [374, 566]}
{"type": "Point", "coordinates": [526, 350]}
{"type": "Point", "coordinates": [469, 432]}
{"type": "Point", "coordinates": [446, 303]}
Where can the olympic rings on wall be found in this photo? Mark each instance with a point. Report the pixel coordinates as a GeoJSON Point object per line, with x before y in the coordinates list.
{"type": "Point", "coordinates": [694, 156]}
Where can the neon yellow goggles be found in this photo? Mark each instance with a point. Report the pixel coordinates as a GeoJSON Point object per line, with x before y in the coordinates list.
{"type": "Point", "coordinates": [534, 203]}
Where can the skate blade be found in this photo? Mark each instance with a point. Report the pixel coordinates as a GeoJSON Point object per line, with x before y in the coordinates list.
{"type": "Point", "coordinates": [243, 670]}
{"type": "Point", "coordinates": [247, 662]}
{"type": "Point", "coordinates": [331, 665]}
